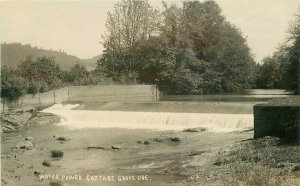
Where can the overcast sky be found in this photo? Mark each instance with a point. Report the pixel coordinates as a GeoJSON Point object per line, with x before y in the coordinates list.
{"type": "Point", "coordinates": [76, 27]}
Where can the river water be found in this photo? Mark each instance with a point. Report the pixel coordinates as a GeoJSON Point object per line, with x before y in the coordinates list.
{"type": "Point", "coordinates": [218, 113]}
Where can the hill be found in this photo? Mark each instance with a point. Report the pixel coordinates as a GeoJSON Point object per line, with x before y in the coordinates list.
{"type": "Point", "coordinates": [13, 53]}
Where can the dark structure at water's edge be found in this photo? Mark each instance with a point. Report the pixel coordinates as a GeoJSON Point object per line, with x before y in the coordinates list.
{"type": "Point", "coordinates": [280, 118]}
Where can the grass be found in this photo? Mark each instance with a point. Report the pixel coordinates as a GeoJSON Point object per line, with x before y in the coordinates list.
{"type": "Point", "coordinates": [260, 162]}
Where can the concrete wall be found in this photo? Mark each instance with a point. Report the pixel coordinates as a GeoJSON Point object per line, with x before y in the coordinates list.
{"type": "Point", "coordinates": [282, 121]}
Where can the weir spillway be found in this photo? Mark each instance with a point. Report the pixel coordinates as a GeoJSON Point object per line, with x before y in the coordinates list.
{"type": "Point", "coordinates": [149, 120]}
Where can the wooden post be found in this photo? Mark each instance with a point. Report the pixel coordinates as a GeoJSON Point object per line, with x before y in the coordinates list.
{"type": "Point", "coordinates": [3, 106]}
{"type": "Point", "coordinates": [126, 92]}
{"type": "Point", "coordinates": [40, 99]}
{"type": "Point", "coordinates": [68, 95]}
{"type": "Point", "coordinates": [156, 93]}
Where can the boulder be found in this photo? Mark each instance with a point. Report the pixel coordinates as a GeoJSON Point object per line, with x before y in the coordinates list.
{"type": "Point", "coordinates": [198, 129]}
{"type": "Point", "coordinates": [43, 119]}
{"type": "Point", "coordinates": [62, 138]}
{"type": "Point", "coordinates": [115, 147]}
{"type": "Point", "coordinates": [14, 121]}
{"type": "Point", "coordinates": [46, 163]}
{"type": "Point", "coordinates": [8, 128]}
{"type": "Point", "coordinates": [27, 145]}
{"type": "Point", "coordinates": [29, 138]}
{"type": "Point", "coordinates": [56, 154]}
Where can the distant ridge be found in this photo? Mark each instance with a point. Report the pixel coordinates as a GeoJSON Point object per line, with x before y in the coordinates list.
{"type": "Point", "coordinates": [13, 53]}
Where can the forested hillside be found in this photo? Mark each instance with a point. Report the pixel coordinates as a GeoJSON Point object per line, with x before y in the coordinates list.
{"type": "Point", "coordinates": [13, 53]}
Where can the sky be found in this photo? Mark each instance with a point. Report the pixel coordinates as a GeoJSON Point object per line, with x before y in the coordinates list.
{"type": "Point", "coordinates": [76, 27]}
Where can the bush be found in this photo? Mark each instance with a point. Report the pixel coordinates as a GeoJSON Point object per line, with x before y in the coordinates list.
{"type": "Point", "coordinates": [34, 88]}
{"type": "Point", "coordinates": [12, 86]}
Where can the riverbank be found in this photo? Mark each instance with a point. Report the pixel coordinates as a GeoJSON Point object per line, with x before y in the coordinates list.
{"type": "Point", "coordinates": [164, 157]}
{"type": "Point", "coordinates": [145, 157]}
{"type": "Point", "coordinates": [58, 155]}
{"type": "Point", "coordinates": [16, 120]}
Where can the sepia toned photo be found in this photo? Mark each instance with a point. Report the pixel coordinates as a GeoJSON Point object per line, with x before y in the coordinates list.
{"type": "Point", "coordinates": [150, 92]}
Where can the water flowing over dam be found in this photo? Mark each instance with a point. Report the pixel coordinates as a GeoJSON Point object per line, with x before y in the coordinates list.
{"type": "Point", "coordinates": [149, 120]}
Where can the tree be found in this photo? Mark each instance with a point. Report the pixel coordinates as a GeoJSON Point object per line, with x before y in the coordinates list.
{"type": "Point", "coordinates": [42, 72]}
{"type": "Point", "coordinates": [193, 50]}
{"type": "Point", "coordinates": [131, 23]}
{"type": "Point", "coordinates": [79, 75]}
{"type": "Point", "coordinates": [269, 74]}
{"type": "Point", "coordinates": [223, 53]}
{"type": "Point", "coordinates": [292, 74]}
{"type": "Point", "coordinates": [12, 86]}
{"type": "Point", "coordinates": [282, 69]}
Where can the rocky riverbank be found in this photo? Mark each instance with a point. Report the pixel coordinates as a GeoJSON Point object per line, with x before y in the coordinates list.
{"type": "Point", "coordinates": [17, 120]}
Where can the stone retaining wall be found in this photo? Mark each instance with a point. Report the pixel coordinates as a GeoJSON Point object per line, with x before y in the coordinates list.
{"type": "Point", "coordinates": [279, 120]}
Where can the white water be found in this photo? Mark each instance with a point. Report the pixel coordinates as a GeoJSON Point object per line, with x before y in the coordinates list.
{"type": "Point", "coordinates": [149, 120]}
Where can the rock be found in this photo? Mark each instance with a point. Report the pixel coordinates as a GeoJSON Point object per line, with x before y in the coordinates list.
{"type": "Point", "coordinates": [157, 140]}
{"type": "Point", "coordinates": [14, 121]}
{"type": "Point", "coordinates": [146, 142]}
{"type": "Point", "coordinates": [196, 153]}
{"type": "Point", "coordinates": [198, 129]}
{"type": "Point", "coordinates": [55, 184]}
{"type": "Point", "coordinates": [95, 147]}
{"type": "Point", "coordinates": [46, 163]}
{"type": "Point", "coordinates": [218, 162]}
{"type": "Point", "coordinates": [143, 142]}
{"type": "Point", "coordinates": [115, 147]}
{"type": "Point", "coordinates": [8, 128]}
{"type": "Point", "coordinates": [25, 145]}
{"type": "Point", "coordinates": [166, 139]}
{"type": "Point", "coordinates": [3, 181]}
{"type": "Point", "coordinates": [43, 119]}
{"type": "Point", "coordinates": [296, 168]}
{"type": "Point", "coordinates": [37, 172]}
{"type": "Point", "coordinates": [29, 138]}
{"type": "Point", "coordinates": [61, 138]}
{"type": "Point", "coordinates": [174, 139]}
{"type": "Point", "coordinates": [56, 154]}
{"type": "Point", "coordinates": [280, 165]}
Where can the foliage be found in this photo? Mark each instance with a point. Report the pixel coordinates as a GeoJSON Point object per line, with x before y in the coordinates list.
{"type": "Point", "coordinates": [12, 86]}
{"type": "Point", "coordinates": [269, 74]}
{"type": "Point", "coordinates": [78, 75]}
{"type": "Point", "coordinates": [193, 50]}
{"type": "Point", "coordinates": [42, 70]}
{"type": "Point", "coordinates": [131, 23]}
{"type": "Point", "coordinates": [281, 70]}
{"type": "Point", "coordinates": [42, 74]}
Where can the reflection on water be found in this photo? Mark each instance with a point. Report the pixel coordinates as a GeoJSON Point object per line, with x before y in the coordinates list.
{"type": "Point", "coordinates": [254, 95]}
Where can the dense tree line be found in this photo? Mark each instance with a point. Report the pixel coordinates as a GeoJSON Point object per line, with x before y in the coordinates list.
{"type": "Point", "coordinates": [42, 74]}
{"type": "Point", "coordinates": [190, 49]}
{"type": "Point", "coordinates": [282, 69]}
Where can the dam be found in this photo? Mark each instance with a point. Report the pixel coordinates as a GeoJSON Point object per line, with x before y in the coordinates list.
{"type": "Point", "coordinates": [218, 122]}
